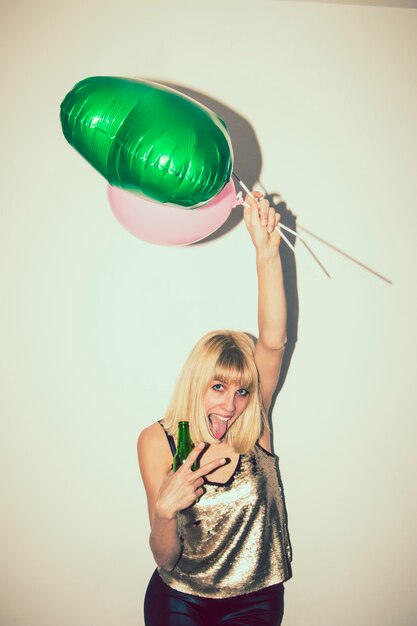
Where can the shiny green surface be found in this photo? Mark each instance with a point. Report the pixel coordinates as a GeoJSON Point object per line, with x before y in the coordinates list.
{"type": "Point", "coordinates": [184, 447]}
{"type": "Point", "coordinates": [150, 139]}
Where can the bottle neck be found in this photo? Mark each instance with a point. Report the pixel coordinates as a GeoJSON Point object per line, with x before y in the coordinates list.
{"type": "Point", "coordinates": [184, 440]}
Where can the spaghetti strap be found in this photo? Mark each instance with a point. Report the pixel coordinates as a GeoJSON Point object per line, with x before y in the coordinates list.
{"type": "Point", "coordinates": [170, 439]}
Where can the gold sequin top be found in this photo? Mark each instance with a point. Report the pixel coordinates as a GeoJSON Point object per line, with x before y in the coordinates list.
{"type": "Point", "coordinates": [235, 539]}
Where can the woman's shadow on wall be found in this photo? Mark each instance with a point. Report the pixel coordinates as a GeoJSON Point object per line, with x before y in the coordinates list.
{"type": "Point", "coordinates": [248, 165]}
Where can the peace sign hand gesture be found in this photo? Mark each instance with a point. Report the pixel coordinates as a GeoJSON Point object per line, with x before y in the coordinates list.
{"type": "Point", "coordinates": [181, 489]}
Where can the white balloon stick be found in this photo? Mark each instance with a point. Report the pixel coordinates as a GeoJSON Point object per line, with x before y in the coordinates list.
{"type": "Point", "coordinates": [289, 244]}
{"type": "Point", "coordinates": [348, 256]}
{"type": "Point", "coordinates": [291, 231]}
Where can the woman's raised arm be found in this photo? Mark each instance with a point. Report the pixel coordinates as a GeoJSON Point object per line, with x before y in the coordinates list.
{"type": "Point", "coordinates": [261, 221]}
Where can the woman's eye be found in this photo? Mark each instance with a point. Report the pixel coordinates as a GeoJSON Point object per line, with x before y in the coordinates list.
{"type": "Point", "coordinates": [242, 392]}
{"type": "Point", "coordinates": [217, 387]}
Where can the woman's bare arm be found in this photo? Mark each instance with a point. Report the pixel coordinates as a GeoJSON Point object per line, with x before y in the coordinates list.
{"type": "Point", "coordinates": [261, 221]}
{"type": "Point", "coordinates": [168, 492]}
{"type": "Point", "coordinates": [154, 464]}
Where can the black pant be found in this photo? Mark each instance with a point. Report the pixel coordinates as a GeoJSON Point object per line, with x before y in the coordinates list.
{"type": "Point", "coordinates": [165, 606]}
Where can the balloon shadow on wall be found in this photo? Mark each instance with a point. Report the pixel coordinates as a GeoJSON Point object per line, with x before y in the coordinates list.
{"type": "Point", "coordinates": [248, 166]}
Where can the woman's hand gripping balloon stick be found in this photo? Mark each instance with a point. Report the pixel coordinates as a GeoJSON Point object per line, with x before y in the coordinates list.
{"type": "Point", "coordinates": [245, 204]}
{"type": "Point", "coordinates": [261, 221]}
{"type": "Point", "coordinates": [178, 491]}
{"type": "Point", "coordinates": [282, 226]}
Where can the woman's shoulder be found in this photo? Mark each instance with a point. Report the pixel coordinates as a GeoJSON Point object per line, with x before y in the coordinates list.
{"type": "Point", "coordinates": [152, 442]}
{"type": "Point", "coordinates": [264, 441]}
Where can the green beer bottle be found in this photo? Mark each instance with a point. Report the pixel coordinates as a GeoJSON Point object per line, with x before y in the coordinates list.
{"type": "Point", "coordinates": [184, 446]}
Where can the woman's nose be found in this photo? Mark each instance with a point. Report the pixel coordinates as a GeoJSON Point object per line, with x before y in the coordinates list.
{"type": "Point", "coordinates": [229, 402]}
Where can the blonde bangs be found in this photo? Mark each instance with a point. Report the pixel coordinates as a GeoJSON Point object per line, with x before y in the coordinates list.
{"type": "Point", "coordinates": [233, 368]}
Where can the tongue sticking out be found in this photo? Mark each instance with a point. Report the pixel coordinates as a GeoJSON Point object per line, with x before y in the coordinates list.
{"type": "Point", "coordinates": [218, 427]}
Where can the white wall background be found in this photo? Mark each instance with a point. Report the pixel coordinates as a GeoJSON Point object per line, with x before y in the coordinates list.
{"type": "Point", "coordinates": [95, 323]}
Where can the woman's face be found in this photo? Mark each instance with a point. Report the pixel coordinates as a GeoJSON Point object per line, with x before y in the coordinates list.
{"type": "Point", "coordinates": [223, 403]}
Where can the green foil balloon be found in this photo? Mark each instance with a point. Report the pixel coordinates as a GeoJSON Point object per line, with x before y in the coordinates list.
{"type": "Point", "coordinates": [148, 138]}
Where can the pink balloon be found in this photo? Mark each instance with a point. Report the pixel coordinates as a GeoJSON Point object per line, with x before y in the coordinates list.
{"type": "Point", "coordinates": [169, 225]}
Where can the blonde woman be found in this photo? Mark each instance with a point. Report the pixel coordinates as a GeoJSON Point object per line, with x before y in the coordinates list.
{"type": "Point", "coordinates": [218, 534]}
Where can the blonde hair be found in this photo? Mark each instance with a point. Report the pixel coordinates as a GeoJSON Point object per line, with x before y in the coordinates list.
{"type": "Point", "coordinates": [226, 356]}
